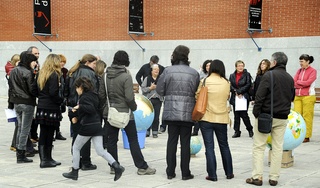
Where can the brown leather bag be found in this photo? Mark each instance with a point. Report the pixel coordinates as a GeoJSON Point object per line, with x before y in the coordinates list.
{"type": "Point", "coordinates": [201, 104]}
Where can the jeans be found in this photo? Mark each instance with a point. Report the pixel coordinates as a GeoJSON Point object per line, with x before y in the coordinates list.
{"type": "Point", "coordinates": [183, 130]}
{"type": "Point", "coordinates": [85, 151]}
{"type": "Point", "coordinates": [97, 143]}
{"type": "Point", "coordinates": [24, 115]}
{"type": "Point", "coordinates": [220, 130]}
{"type": "Point", "coordinates": [131, 131]}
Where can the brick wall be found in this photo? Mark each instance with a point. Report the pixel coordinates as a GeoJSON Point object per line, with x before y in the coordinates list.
{"type": "Point", "coordinates": [169, 20]}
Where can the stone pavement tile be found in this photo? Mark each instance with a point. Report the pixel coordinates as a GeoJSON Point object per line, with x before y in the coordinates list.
{"type": "Point", "coordinates": [304, 173]}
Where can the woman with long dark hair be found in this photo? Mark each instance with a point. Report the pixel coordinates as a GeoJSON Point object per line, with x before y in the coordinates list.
{"type": "Point", "coordinates": [215, 120]}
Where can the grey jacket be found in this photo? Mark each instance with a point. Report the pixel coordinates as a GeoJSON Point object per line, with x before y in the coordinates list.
{"type": "Point", "coordinates": [120, 90]}
{"type": "Point", "coordinates": [178, 84]}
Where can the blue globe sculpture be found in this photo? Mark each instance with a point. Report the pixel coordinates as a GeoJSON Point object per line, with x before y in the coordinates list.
{"type": "Point", "coordinates": [295, 132]}
{"type": "Point", "coordinates": [144, 114]}
{"type": "Point", "coordinates": [195, 145]}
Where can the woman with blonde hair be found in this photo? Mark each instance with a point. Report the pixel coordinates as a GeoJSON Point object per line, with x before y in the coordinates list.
{"type": "Point", "coordinates": [48, 113]}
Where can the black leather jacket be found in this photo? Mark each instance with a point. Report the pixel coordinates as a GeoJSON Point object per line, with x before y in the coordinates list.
{"type": "Point", "coordinates": [243, 86]}
{"type": "Point", "coordinates": [23, 86]}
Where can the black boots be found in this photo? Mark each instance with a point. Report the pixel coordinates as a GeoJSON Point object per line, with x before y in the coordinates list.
{"type": "Point", "coordinates": [118, 170]}
{"type": "Point", "coordinates": [72, 175]}
{"type": "Point", "coordinates": [44, 159]}
{"type": "Point", "coordinates": [59, 136]}
{"type": "Point", "coordinates": [237, 134]}
{"type": "Point", "coordinates": [21, 156]}
{"type": "Point", "coordinates": [49, 155]}
{"type": "Point", "coordinates": [250, 133]}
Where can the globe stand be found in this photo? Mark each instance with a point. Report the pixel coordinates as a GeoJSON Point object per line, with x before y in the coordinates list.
{"type": "Point", "coordinates": [287, 159]}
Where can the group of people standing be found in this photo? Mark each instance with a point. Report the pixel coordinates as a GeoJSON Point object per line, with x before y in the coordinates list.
{"type": "Point", "coordinates": [177, 86]}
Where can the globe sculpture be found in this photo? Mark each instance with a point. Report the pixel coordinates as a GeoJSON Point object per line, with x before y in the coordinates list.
{"type": "Point", "coordinates": [144, 114]}
{"type": "Point", "coordinates": [195, 145]}
{"type": "Point", "coordinates": [295, 132]}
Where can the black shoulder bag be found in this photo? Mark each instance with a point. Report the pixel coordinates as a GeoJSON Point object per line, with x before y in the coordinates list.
{"type": "Point", "coordinates": [264, 119]}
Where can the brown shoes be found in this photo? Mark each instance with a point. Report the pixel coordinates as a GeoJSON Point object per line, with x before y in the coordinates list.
{"type": "Point", "coordinates": [273, 182]}
{"type": "Point", "coordinates": [306, 140]}
{"type": "Point", "coordinates": [252, 181]}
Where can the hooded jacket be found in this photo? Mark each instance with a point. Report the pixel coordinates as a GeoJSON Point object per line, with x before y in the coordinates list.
{"type": "Point", "coordinates": [120, 90]}
{"type": "Point", "coordinates": [283, 92]}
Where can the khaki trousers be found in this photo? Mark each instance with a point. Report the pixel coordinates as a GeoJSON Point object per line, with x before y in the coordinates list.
{"type": "Point", "coordinates": [305, 106]}
{"type": "Point", "coordinates": [259, 147]}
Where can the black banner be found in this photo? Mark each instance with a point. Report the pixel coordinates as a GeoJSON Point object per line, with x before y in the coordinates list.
{"type": "Point", "coordinates": [136, 16]}
{"type": "Point", "coordinates": [42, 17]}
{"type": "Point", "coordinates": [255, 11]}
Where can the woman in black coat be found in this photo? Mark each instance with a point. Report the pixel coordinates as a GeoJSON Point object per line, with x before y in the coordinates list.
{"type": "Point", "coordinates": [240, 82]}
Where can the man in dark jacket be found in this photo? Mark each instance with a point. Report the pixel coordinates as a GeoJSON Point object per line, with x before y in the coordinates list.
{"type": "Point", "coordinates": [178, 84]}
{"type": "Point", "coordinates": [283, 89]}
{"type": "Point", "coordinates": [145, 70]}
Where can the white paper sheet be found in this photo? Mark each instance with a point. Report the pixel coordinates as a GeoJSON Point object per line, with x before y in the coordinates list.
{"type": "Point", "coordinates": [241, 104]}
{"type": "Point", "coordinates": [11, 115]}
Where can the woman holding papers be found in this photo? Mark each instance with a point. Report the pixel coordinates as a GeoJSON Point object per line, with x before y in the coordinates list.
{"type": "Point", "coordinates": [240, 82]}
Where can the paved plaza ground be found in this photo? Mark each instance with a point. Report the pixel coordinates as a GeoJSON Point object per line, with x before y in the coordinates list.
{"type": "Point", "coordinates": [305, 171]}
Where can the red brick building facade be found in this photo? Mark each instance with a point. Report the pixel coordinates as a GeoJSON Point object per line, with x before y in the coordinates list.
{"type": "Point", "coordinates": [169, 20]}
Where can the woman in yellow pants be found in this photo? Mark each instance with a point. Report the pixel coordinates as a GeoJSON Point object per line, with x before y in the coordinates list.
{"type": "Point", "coordinates": [304, 83]}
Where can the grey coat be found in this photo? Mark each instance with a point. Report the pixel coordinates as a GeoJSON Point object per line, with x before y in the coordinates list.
{"type": "Point", "coordinates": [178, 84]}
{"type": "Point", "coordinates": [120, 90]}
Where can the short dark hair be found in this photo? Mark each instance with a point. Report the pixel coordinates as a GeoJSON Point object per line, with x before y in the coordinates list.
{"type": "Point", "coordinates": [85, 83]}
{"type": "Point", "coordinates": [154, 59]}
{"type": "Point", "coordinates": [180, 54]}
{"type": "Point", "coordinates": [121, 58]}
{"type": "Point", "coordinates": [280, 57]}
{"type": "Point", "coordinates": [307, 58]}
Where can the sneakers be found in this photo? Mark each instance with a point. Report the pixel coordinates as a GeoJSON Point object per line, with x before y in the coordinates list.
{"type": "Point", "coordinates": [147, 171]}
{"type": "Point", "coordinates": [252, 181]}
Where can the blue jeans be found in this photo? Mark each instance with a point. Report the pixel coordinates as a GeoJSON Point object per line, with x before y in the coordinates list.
{"type": "Point", "coordinates": [207, 130]}
{"type": "Point", "coordinates": [24, 116]}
